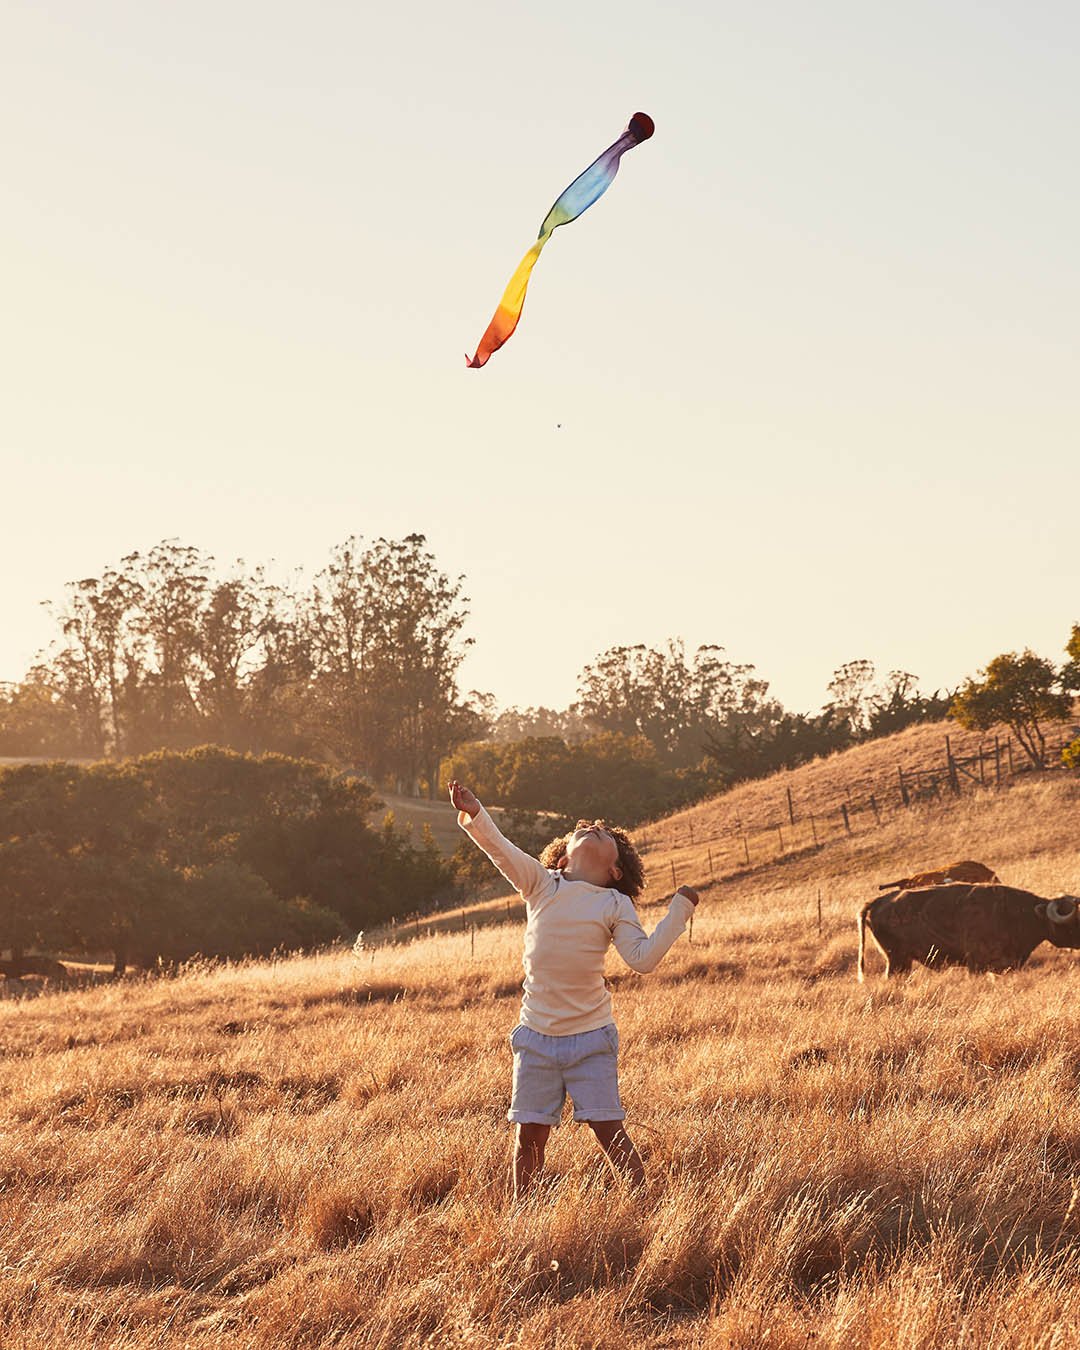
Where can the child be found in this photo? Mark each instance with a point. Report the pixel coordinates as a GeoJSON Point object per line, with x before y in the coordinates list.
{"type": "Point", "coordinates": [578, 899]}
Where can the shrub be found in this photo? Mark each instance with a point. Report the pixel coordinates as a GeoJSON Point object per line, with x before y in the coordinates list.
{"type": "Point", "coordinates": [1018, 691]}
{"type": "Point", "coordinates": [204, 852]}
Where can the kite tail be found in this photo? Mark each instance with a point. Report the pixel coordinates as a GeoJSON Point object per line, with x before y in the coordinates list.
{"type": "Point", "coordinates": [586, 188]}
{"type": "Point", "coordinates": [506, 317]}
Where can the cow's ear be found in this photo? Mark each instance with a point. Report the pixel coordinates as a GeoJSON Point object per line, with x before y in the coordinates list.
{"type": "Point", "coordinates": [1040, 910]}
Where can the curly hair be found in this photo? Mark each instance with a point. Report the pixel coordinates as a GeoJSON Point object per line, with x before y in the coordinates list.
{"type": "Point", "coordinates": [632, 881]}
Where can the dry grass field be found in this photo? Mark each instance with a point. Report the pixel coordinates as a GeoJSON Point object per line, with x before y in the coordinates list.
{"type": "Point", "coordinates": [313, 1152]}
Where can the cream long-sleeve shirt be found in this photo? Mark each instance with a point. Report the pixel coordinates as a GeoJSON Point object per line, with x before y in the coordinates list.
{"type": "Point", "coordinates": [570, 926]}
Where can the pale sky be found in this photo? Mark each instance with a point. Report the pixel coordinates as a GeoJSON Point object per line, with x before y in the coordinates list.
{"type": "Point", "coordinates": [814, 355]}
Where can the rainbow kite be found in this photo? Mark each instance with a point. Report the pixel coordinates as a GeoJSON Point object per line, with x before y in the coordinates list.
{"type": "Point", "coordinates": [586, 188]}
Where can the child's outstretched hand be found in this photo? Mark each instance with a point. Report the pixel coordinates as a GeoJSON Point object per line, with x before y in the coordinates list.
{"type": "Point", "coordinates": [464, 799]}
{"type": "Point", "coordinates": [690, 894]}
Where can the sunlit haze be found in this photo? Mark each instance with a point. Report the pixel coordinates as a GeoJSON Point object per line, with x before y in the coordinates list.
{"type": "Point", "coordinates": [803, 383]}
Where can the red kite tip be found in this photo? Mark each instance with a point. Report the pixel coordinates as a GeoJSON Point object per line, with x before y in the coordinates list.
{"type": "Point", "coordinates": [641, 127]}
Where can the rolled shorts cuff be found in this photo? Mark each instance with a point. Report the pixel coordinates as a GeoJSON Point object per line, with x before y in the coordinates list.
{"type": "Point", "coordinates": [531, 1118]}
{"type": "Point", "coordinates": [548, 1069]}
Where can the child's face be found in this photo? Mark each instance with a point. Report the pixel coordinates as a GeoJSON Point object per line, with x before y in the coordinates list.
{"type": "Point", "coordinates": [593, 855]}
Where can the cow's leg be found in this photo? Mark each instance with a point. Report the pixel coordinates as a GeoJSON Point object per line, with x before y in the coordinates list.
{"type": "Point", "coordinates": [897, 963]}
{"type": "Point", "coordinates": [878, 943]}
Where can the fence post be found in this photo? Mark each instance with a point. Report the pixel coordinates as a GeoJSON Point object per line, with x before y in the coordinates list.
{"type": "Point", "coordinates": [813, 828]}
{"type": "Point", "coordinates": [780, 832]}
{"type": "Point", "coordinates": [746, 848]}
{"type": "Point", "coordinates": [954, 777]}
{"type": "Point", "coordinates": [874, 808]}
{"type": "Point", "coordinates": [790, 807]}
{"type": "Point", "coordinates": [997, 760]}
{"type": "Point", "coordinates": [903, 786]}
{"type": "Point", "coordinates": [712, 874]}
{"type": "Point", "coordinates": [844, 813]}
{"type": "Point", "coordinates": [674, 883]}
{"type": "Point", "coordinates": [1008, 746]}
{"type": "Point", "coordinates": [982, 771]}
{"type": "Point", "coordinates": [819, 912]}
{"type": "Point", "coordinates": [690, 823]}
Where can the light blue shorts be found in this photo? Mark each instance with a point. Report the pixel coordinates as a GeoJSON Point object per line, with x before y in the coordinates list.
{"type": "Point", "coordinates": [546, 1068]}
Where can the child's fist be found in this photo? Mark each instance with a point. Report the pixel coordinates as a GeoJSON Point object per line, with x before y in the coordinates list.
{"type": "Point", "coordinates": [464, 799]}
{"type": "Point", "coordinates": [689, 892]}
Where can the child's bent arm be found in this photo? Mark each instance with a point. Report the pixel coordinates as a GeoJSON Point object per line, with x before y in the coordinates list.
{"type": "Point", "coordinates": [643, 952]}
{"type": "Point", "coordinates": [523, 872]}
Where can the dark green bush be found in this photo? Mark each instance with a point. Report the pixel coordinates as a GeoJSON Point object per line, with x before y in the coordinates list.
{"type": "Point", "coordinates": [203, 852]}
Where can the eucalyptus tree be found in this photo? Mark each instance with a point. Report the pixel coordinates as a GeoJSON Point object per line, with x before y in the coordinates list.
{"type": "Point", "coordinates": [676, 703]}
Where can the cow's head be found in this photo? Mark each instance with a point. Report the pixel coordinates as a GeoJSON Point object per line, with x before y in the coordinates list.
{"type": "Point", "coordinates": [1062, 920]}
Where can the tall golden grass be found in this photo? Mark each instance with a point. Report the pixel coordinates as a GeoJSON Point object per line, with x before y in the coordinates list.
{"type": "Point", "coordinates": [313, 1152]}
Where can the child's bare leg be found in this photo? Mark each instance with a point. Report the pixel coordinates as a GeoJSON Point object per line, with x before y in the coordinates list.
{"type": "Point", "coordinates": [528, 1155]}
{"type": "Point", "coordinates": [617, 1144]}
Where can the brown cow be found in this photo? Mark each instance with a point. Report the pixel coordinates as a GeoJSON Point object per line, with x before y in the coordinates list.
{"type": "Point", "coordinates": [981, 927]}
{"type": "Point", "coordinates": [44, 966]}
{"type": "Point", "coordinates": [958, 871]}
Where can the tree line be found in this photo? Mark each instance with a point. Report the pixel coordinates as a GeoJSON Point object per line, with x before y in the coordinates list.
{"type": "Point", "coordinates": [206, 852]}
{"type": "Point", "coordinates": [653, 729]}
{"type": "Point", "coordinates": [360, 668]}
{"type": "Point", "coordinates": [159, 652]}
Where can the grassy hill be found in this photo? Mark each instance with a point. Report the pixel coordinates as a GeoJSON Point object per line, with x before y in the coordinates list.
{"type": "Point", "coordinates": [754, 810]}
{"type": "Point", "coordinates": [313, 1152]}
{"type": "Point", "coordinates": [747, 831]}
{"type": "Point", "coordinates": [752, 823]}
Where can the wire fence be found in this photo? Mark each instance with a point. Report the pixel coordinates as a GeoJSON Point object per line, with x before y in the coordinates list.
{"type": "Point", "coordinates": [801, 824]}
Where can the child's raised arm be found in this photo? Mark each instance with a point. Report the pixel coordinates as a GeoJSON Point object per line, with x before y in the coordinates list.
{"type": "Point", "coordinates": [642, 952]}
{"type": "Point", "coordinates": [523, 872]}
